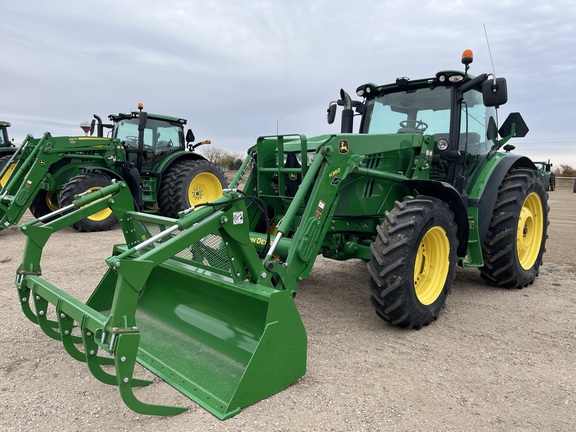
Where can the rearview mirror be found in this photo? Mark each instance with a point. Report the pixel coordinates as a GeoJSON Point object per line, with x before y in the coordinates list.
{"type": "Point", "coordinates": [331, 116]}
{"type": "Point", "coordinates": [190, 136]}
{"type": "Point", "coordinates": [495, 92]}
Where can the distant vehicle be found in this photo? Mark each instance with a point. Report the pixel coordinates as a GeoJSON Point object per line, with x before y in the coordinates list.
{"type": "Point", "coordinates": [6, 146]}
{"type": "Point", "coordinates": [548, 177]}
{"type": "Point", "coordinates": [6, 149]}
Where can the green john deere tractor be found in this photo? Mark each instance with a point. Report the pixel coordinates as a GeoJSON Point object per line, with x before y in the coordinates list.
{"type": "Point", "coordinates": [6, 149]}
{"type": "Point", "coordinates": [206, 300]}
{"type": "Point", "coordinates": [548, 177]}
{"type": "Point", "coordinates": [150, 152]}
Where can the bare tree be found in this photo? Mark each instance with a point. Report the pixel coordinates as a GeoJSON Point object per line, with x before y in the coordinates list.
{"type": "Point", "coordinates": [227, 160]}
{"type": "Point", "coordinates": [213, 154]}
{"type": "Point", "coordinates": [567, 170]}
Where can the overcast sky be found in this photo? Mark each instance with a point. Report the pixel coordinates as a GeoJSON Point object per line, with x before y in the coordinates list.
{"type": "Point", "coordinates": [240, 69]}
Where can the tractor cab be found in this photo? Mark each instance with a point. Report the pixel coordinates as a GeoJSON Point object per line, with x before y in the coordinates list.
{"type": "Point", "coordinates": [4, 141]}
{"type": "Point", "coordinates": [457, 110]}
{"type": "Point", "coordinates": [148, 138]}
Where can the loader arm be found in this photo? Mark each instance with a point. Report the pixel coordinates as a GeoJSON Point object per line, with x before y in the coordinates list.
{"type": "Point", "coordinates": [308, 220]}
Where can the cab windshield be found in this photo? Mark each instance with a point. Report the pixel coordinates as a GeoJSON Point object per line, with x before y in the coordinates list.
{"type": "Point", "coordinates": [427, 110]}
{"type": "Point", "coordinates": [159, 135]}
{"type": "Point", "coordinates": [422, 110]}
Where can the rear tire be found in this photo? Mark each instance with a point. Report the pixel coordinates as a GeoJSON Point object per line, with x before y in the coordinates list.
{"type": "Point", "coordinates": [413, 262]}
{"type": "Point", "coordinates": [552, 183]}
{"type": "Point", "coordinates": [44, 202]}
{"type": "Point", "coordinates": [187, 183]}
{"type": "Point", "coordinates": [516, 238]}
{"type": "Point", "coordinates": [100, 221]}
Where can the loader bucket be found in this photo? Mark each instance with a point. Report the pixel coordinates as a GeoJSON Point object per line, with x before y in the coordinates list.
{"type": "Point", "coordinates": [187, 298]}
{"type": "Point", "coordinates": [222, 345]}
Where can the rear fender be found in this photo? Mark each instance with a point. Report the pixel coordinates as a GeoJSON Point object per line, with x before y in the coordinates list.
{"type": "Point", "coordinates": [447, 193]}
{"type": "Point", "coordinates": [178, 156]}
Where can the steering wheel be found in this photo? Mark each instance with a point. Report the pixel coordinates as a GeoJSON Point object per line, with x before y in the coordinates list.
{"type": "Point", "coordinates": [417, 125]}
{"type": "Point", "coordinates": [130, 141]}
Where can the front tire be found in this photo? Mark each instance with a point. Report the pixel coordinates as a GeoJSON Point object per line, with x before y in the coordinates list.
{"type": "Point", "coordinates": [91, 181]}
{"type": "Point", "coordinates": [3, 162]}
{"type": "Point", "coordinates": [187, 183]}
{"type": "Point", "coordinates": [413, 262]}
{"type": "Point", "coordinates": [516, 238]}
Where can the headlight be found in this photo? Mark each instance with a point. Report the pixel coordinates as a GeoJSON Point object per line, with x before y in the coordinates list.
{"type": "Point", "coordinates": [442, 144]}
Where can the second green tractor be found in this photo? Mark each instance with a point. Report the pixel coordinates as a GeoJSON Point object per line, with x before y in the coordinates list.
{"type": "Point", "coordinates": [150, 152]}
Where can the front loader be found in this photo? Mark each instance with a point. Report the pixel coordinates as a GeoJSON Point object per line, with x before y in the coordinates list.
{"type": "Point", "coordinates": [150, 152]}
{"type": "Point", "coordinates": [206, 300]}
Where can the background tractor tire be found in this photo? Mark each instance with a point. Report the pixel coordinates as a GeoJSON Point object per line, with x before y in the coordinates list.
{"type": "Point", "coordinates": [517, 234]}
{"type": "Point", "coordinates": [574, 186]}
{"type": "Point", "coordinates": [187, 183]}
{"type": "Point", "coordinates": [100, 221]}
{"type": "Point", "coordinates": [45, 202]}
{"type": "Point", "coordinates": [552, 186]}
{"type": "Point", "coordinates": [413, 262]}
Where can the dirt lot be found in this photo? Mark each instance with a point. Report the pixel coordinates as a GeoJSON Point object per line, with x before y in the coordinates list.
{"type": "Point", "coordinates": [495, 360]}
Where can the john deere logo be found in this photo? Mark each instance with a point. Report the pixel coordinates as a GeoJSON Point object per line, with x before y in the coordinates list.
{"type": "Point", "coordinates": [343, 146]}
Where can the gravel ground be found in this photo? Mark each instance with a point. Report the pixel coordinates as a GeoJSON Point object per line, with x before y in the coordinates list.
{"type": "Point", "coordinates": [496, 360]}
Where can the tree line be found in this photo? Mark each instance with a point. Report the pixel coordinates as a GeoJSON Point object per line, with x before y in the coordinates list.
{"type": "Point", "coordinates": [227, 160]}
{"type": "Point", "coordinates": [565, 170]}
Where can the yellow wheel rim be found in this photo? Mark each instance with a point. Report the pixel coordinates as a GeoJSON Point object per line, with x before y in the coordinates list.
{"type": "Point", "coordinates": [102, 214]}
{"type": "Point", "coordinates": [205, 187]}
{"type": "Point", "coordinates": [431, 265]}
{"type": "Point", "coordinates": [6, 176]}
{"type": "Point", "coordinates": [529, 232]}
{"type": "Point", "coordinates": [52, 200]}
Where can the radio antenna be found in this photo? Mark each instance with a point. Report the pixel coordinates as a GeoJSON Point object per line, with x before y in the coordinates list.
{"type": "Point", "coordinates": [490, 53]}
